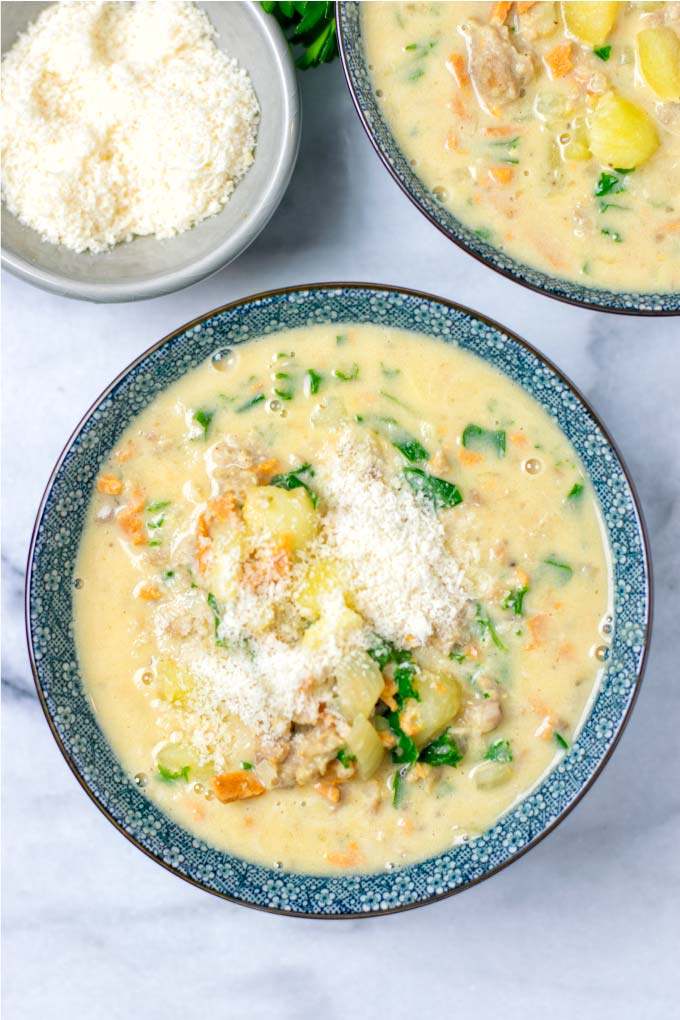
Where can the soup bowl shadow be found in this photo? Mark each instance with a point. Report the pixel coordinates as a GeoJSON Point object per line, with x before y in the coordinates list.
{"type": "Point", "coordinates": [358, 77]}
{"type": "Point", "coordinates": [50, 587]}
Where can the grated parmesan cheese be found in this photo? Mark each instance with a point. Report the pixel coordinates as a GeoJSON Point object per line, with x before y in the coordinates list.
{"type": "Point", "coordinates": [122, 119]}
{"type": "Point", "coordinates": [404, 579]}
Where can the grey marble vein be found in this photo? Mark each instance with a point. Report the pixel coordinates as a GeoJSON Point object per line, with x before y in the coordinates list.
{"type": "Point", "coordinates": [585, 925]}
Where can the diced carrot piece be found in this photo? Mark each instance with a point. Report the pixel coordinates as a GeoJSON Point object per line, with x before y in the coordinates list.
{"type": "Point", "coordinates": [469, 457]}
{"type": "Point", "coordinates": [387, 739]}
{"type": "Point", "coordinates": [522, 577]}
{"type": "Point", "coordinates": [110, 485]}
{"type": "Point", "coordinates": [455, 64]}
{"type": "Point", "coordinates": [148, 592]}
{"type": "Point", "coordinates": [267, 468]}
{"type": "Point", "coordinates": [559, 60]}
{"type": "Point", "coordinates": [451, 142]}
{"type": "Point", "coordinates": [408, 721]}
{"type": "Point", "coordinates": [499, 13]}
{"type": "Point", "coordinates": [387, 695]}
{"type": "Point", "coordinates": [329, 791]}
{"type": "Point", "coordinates": [546, 729]}
{"type": "Point", "coordinates": [670, 228]}
{"type": "Point", "coordinates": [202, 544]}
{"type": "Point", "coordinates": [438, 461]}
{"type": "Point", "coordinates": [248, 822]}
{"type": "Point", "coordinates": [536, 625]}
{"type": "Point", "coordinates": [223, 507]}
{"type": "Point", "coordinates": [132, 524]}
{"type": "Point", "coordinates": [352, 858]}
{"type": "Point", "coordinates": [125, 452]}
{"type": "Point", "coordinates": [500, 174]}
{"type": "Point", "coordinates": [237, 786]}
{"type": "Point", "coordinates": [501, 130]}
{"type": "Point", "coordinates": [522, 8]}
{"type": "Point", "coordinates": [518, 438]}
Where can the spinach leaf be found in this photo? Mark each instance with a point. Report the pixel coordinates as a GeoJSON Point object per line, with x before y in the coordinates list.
{"type": "Point", "coordinates": [441, 493]}
{"type": "Point", "coordinates": [345, 758]}
{"type": "Point", "coordinates": [576, 491]}
{"type": "Point", "coordinates": [347, 376]}
{"type": "Point", "coordinates": [212, 602]}
{"type": "Point", "coordinates": [405, 751]}
{"type": "Point", "coordinates": [442, 751]}
{"type": "Point", "coordinates": [475, 436]}
{"type": "Point", "coordinates": [616, 237]}
{"type": "Point", "coordinates": [410, 447]}
{"type": "Point", "coordinates": [563, 571]}
{"type": "Point", "coordinates": [561, 741]}
{"type": "Point", "coordinates": [515, 599]}
{"type": "Point", "coordinates": [252, 402]}
{"type": "Point", "coordinates": [203, 418]}
{"type": "Point", "coordinates": [246, 766]}
{"type": "Point", "coordinates": [603, 52]}
{"type": "Point", "coordinates": [499, 751]}
{"type": "Point", "coordinates": [314, 380]}
{"type": "Point", "coordinates": [168, 776]}
{"type": "Point", "coordinates": [609, 184]}
{"type": "Point", "coordinates": [309, 27]}
{"type": "Point", "coordinates": [486, 626]}
{"type": "Point", "coordinates": [403, 678]}
{"type": "Point", "coordinates": [292, 480]}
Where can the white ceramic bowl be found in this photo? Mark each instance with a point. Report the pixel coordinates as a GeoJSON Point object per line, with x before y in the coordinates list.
{"type": "Point", "coordinates": [147, 267]}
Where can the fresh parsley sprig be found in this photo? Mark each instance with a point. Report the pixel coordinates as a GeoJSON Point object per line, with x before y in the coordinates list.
{"type": "Point", "coordinates": [309, 29]}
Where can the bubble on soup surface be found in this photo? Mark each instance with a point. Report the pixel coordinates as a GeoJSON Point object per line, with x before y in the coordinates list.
{"type": "Point", "coordinates": [78, 583]}
{"type": "Point", "coordinates": [141, 779]}
{"type": "Point", "coordinates": [532, 466]}
{"type": "Point", "coordinates": [223, 358]}
{"type": "Point", "coordinates": [440, 193]}
{"type": "Point", "coordinates": [601, 653]}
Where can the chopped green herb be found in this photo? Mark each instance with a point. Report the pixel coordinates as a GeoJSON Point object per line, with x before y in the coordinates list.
{"type": "Point", "coordinates": [252, 402]}
{"type": "Point", "coordinates": [168, 776]}
{"type": "Point", "coordinates": [309, 27]}
{"type": "Point", "coordinates": [347, 376]}
{"type": "Point", "coordinates": [565, 572]}
{"type": "Point", "coordinates": [585, 268]}
{"type": "Point", "coordinates": [160, 504]}
{"type": "Point", "coordinates": [285, 394]}
{"type": "Point", "coordinates": [483, 233]}
{"type": "Point", "coordinates": [411, 46]}
{"type": "Point", "coordinates": [576, 491]}
{"type": "Point", "coordinates": [212, 602]}
{"type": "Point", "coordinates": [389, 373]}
{"type": "Point", "coordinates": [292, 480]}
{"type": "Point", "coordinates": [614, 234]}
{"type": "Point", "coordinates": [396, 788]}
{"type": "Point", "coordinates": [561, 741]}
{"type": "Point", "coordinates": [510, 143]}
{"type": "Point", "coordinates": [609, 184]}
{"type": "Point", "coordinates": [314, 380]}
{"type": "Point", "coordinates": [345, 758]}
{"type": "Point", "coordinates": [486, 626]}
{"type": "Point", "coordinates": [168, 574]}
{"type": "Point", "coordinates": [341, 339]}
{"type": "Point", "coordinates": [395, 400]}
{"type": "Point", "coordinates": [203, 418]}
{"type": "Point", "coordinates": [499, 751]}
{"type": "Point", "coordinates": [442, 751]}
{"type": "Point", "coordinates": [515, 599]}
{"type": "Point", "coordinates": [158, 523]}
{"type": "Point", "coordinates": [457, 655]}
{"type": "Point", "coordinates": [475, 436]}
{"type": "Point", "coordinates": [441, 493]}
{"type": "Point", "coordinates": [246, 766]}
{"type": "Point", "coordinates": [603, 52]}
{"type": "Point", "coordinates": [416, 73]}
{"type": "Point", "coordinates": [151, 544]}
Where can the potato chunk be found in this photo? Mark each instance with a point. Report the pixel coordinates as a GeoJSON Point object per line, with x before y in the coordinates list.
{"type": "Point", "coordinates": [366, 746]}
{"type": "Point", "coordinates": [174, 681]}
{"type": "Point", "coordinates": [359, 684]}
{"type": "Point", "coordinates": [621, 134]}
{"type": "Point", "coordinates": [281, 514]}
{"type": "Point", "coordinates": [659, 58]}
{"type": "Point", "coordinates": [590, 22]}
{"type": "Point", "coordinates": [439, 703]}
{"type": "Point", "coordinates": [322, 578]}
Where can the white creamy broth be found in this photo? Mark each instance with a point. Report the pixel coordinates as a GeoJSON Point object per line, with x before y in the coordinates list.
{"type": "Point", "coordinates": [521, 129]}
{"type": "Point", "coordinates": [493, 606]}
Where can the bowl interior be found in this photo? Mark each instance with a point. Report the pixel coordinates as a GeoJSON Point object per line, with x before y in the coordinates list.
{"type": "Point", "coordinates": [146, 266]}
{"type": "Point", "coordinates": [49, 605]}
{"type": "Point", "coordinates": [358, 76]}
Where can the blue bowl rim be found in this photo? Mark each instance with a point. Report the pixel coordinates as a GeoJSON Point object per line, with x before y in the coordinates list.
{"type": "Point", "coordinates": [645, 545]}
{"type": "Point", "coordinates": [460, 242]}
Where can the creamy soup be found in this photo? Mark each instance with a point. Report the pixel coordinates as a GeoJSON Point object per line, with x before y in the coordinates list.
{"type": "Point", "coordinates": [550, 129]}
{"type": "Point", "coordinates": [342, 597]}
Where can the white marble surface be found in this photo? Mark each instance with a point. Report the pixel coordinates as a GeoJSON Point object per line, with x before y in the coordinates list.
{"type": "Point", "coordinates": [586, 925]}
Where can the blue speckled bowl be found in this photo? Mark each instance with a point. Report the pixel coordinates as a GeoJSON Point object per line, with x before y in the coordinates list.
{"type": "Point", "coordinates": [350, 41]}
{"type": "Point", "coordinates": [49, 604]}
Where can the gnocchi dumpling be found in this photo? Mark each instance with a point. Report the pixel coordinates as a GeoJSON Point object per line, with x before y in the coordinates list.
{"type": "Point", "coordinates": [621, 134]}
{"type": "Point", "coordinates": [659, 58]}
{"type": "Point", "coordinates": [281, 514]}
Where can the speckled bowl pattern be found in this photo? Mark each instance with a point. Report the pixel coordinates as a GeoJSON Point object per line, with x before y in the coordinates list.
{"type": "Point", "coordinates": [358, 78]}
{"type": "Point", "coordinates": [148, 267]}
{"type": "Point", "coordinates": [49, 605]}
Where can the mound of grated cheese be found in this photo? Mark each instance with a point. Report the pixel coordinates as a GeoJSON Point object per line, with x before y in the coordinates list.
{"type": "Point", "coordinates": [405, 580]}
{"type": "Point", "coordinates": [122, 119]}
